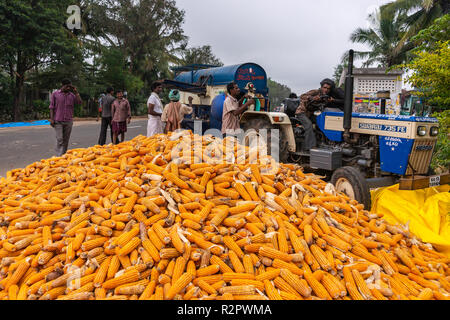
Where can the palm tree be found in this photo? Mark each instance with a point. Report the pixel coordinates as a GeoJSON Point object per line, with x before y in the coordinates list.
{"type": "Point", "coordinates": [383, 37]}
{"type": "Point", "coordinates": [420, 14]}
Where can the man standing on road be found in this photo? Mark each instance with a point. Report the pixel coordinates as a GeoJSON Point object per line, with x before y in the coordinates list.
{"type": "Point", "coordinates": [232, 109]}
{"type": "Point", "coordinates": [106, 116]}
{"type": "Point", "coordinates": [62, 104]}
{"type": "Point", "coordinates": [155, 110]}
{"type": "Point", "coordinates": [121, 115]}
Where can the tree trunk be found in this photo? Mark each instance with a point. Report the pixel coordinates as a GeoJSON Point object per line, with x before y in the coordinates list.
{"type": "Point", "coordinates": [18, 96]}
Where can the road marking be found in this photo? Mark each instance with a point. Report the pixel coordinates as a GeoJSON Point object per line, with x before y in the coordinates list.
{"type": "Point", "coordinates": [134, 127]}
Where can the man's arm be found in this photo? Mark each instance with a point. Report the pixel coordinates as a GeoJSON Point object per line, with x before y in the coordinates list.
{"type": "Point", "coordinates": [77, 96]}
{"type": "Point", "coordinates": [151, 110]}
{"type": "Point", "coordinates": [113, 109]}
{"type": "Point", "coordinates": [337, 97]}
{"type": "Point", "coordinates": [100, 108]}
{"type": "Point", "coordinates": [243, 108]}
{"type": "Point", "coordinates": [187, 109]}
{"type": "Point", "coordinates": [308, 97]}
{"type": "Point", "coordinates": [129, 111]}
{"type": "Point", "coordinates": [52, 110]}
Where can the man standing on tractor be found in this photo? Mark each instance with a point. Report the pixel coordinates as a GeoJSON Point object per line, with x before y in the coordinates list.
{"type": "Point", "coordinates": [327, 97]}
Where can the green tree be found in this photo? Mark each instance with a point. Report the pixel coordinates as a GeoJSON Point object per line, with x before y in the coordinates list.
{"type": "Point", "coordinates": [32, 35]}
{"type": "Point", "coordinates": [430, 74]}
{"type": "Point", "coordinates": [337, 73]}
{"type": "Point", "coordinates": [277, 92]}
{"type": "Point", "coordinates": [419, 14]}
{"type": "Point", "coordinates": [438, 32]}
{"type": "Point", "coordinates": [114, 72]}
{"type": "Point", "coordinates": [430, 66]}
{"type": "Point", "coordinates": [200, 55]}
{"type": "Point", "coordinates": [148, 32]}
{"type": "Point", "coordinates": [382, 37]}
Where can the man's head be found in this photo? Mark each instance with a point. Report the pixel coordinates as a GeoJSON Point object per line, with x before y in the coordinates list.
{"type": "Point", "coordinates": [293, 96]}
{"type": "Point", "coordinates": [326, 86]}
{"type": "Point", "coordinates": [110, 90]}
{"type": "Point", "coordinates": [233, 89]}
{"type": "Point", "coordinates": [119, 94]}
{"type": "Point", "coordinates": [66, 85]}
{"type": "Point", "coordinates": [157, 87]}
{"type": "Point", "coordinates": [174, 95]}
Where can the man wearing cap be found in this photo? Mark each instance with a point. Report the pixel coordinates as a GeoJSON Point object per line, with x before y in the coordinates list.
{"type": "Point", "coordinates": [327, 96]}
{"type": "Point", "coordinates": [175, 111]}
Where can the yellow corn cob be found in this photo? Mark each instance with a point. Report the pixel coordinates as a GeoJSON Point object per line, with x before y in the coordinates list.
{"type": "Point", "coordinates": [20, 271]}
{"type": "Point", "coordinates": [209, 270]}
{"type": "Point", "coordinates": [224, 268]}
{"type": "Point", "coordinates": [180, 265]}
{"type": "Point", "coordinates": [176, 180]}
{"type": "Point", "coordinates": [274, 254]}
{"type": "Point", "coordinates": [361, 285]}
{"type": "Point", "coordinates": [423, 282]}
{"type": "Point", "coordinates": [130, 276]}
{"type": "Point", "coordinates": [271, 292]}
{"type": "Point", "coordinates": [206, 287]}
{"type": "Point", "coordinates": [148, 291]}
{"type": "Point", "coordinates": [248, 264]}
{"type": "Point", "coordinates": [91, 244]}
{"type": "Point", "coordinates": [298, 284]}
{"type": "Point", "coordinates": [282, 285]}
{"type": "Point", "coordinates": [161, 233]}
{"type": "Point", "coordinates": [238, 290]}
{"type": "Point", "coordinates": [353, 291]}
{"type": "Point", "coordinates": [231, 244]}
{"type": "Point", "coordinates": [316, 286]}
{"type": "Point", "coordinates": [363, 253]}
{"type": "Point", "coordinates": [228, 276]}
{"type": "Point", "coordinates": [321, 257]}
{"type": "Point", "coordinates": [102, 272]}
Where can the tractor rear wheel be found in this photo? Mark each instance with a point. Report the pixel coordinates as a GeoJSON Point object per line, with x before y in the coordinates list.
{"type": "Point", "coordinates": [352, 182]}
{"type": "Point", "coordinates": [258, 124]}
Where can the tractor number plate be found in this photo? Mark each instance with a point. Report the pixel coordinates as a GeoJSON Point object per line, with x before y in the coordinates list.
{"type": "Point", "coordinates": [435, 181]}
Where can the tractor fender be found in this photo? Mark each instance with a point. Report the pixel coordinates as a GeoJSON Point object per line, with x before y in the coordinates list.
{"type": "Point", "coordinates": [276, 119]}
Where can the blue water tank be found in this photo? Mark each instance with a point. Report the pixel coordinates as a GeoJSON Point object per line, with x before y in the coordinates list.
{"type": "Point", "coordinates": [216, 111]}
{"type": "Point", "coordinates": [241, 74]}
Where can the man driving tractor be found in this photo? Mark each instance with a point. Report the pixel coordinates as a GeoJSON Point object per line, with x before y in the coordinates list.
{"type": "Point", "coordinates": [327, 97]}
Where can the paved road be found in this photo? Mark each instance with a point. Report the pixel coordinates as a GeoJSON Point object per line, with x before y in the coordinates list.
{"type": "Point", "coordinates": [22, 146]}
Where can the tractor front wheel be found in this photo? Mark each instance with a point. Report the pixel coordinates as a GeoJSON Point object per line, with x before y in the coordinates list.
{"type": "Point", "coordinates": [352, 182]}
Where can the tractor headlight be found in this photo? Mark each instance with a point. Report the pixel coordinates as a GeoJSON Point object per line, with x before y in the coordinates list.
{"type": "Point", "coordinates": [434, 131]}
{"type": "Point", "coordinates": [421, 131]}
{"type": "Point", "coordinates": [278, 119]}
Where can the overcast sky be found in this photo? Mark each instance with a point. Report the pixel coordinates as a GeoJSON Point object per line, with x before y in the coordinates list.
{"type": "Point", "coordinates": [297, 42]}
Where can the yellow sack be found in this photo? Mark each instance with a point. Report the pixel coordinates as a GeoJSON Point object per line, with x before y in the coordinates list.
{"type": "Point", "coordinates": [426, 210]}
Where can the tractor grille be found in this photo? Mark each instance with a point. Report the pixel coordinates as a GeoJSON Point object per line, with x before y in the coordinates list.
{"type": "Point", "coordinates": [420, 156]}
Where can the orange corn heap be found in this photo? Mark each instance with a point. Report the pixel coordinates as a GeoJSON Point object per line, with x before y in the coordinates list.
{"type": "Point", "coordinates": [148, 220]}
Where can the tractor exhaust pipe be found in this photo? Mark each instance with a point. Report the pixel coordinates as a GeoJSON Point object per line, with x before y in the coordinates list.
{"type": "Point", "coordinates": [348, 99]}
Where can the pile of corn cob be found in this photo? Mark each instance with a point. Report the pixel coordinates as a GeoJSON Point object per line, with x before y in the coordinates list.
{"type": "Point", "coordinates": [136, 221]}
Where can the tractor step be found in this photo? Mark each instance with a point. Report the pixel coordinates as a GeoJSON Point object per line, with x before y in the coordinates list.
{"type": "Point", "coordinates": [301, 154]}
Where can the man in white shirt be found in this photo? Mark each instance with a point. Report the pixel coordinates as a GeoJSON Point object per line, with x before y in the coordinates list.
{"type": "Point", "coordinates": [232, 109]}
{"type": "Point", "coordinates": [155, 110]}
